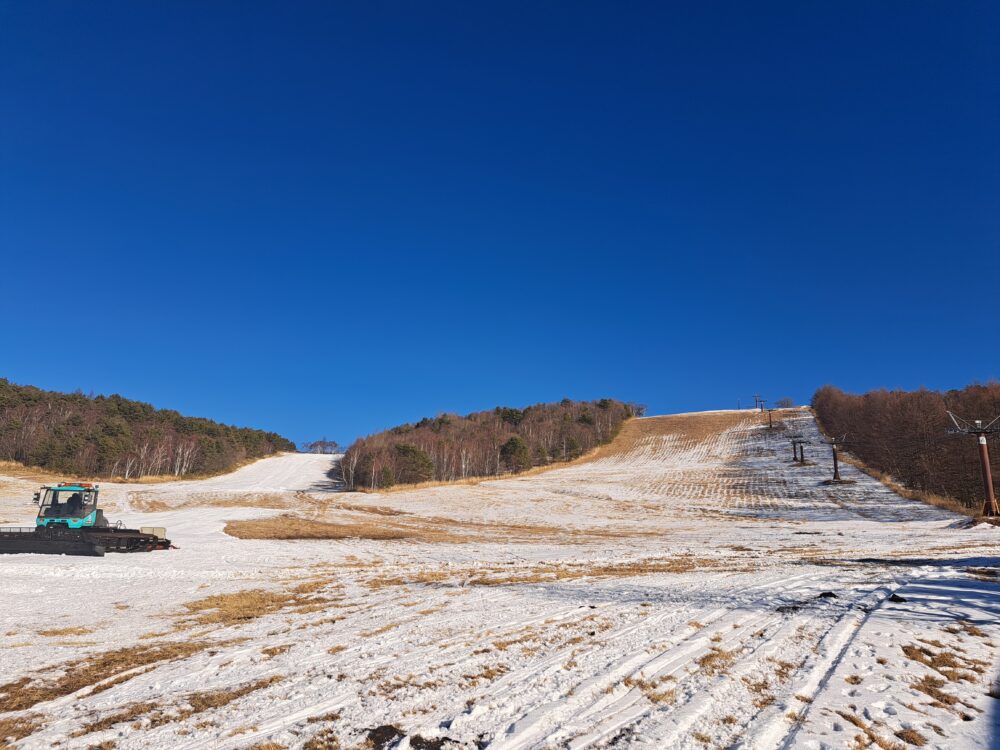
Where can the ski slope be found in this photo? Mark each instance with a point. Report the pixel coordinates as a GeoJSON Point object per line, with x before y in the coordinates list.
{"type": "Point", "coordinates": [690, 587]}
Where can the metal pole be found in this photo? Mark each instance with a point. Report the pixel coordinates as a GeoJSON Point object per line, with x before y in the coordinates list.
{"type": "Point", "coordinates": [990, 504]}
{"type": "Point", "coordinates": [836, 466]}
{"type": "Point", "coordinates": [795, 451]}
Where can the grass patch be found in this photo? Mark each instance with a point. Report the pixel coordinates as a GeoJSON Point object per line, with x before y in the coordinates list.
{"type": "Point", "coordinates": [243, 606]}
{"type": "Point", "coordinates": [488, 673]}
{"type": "Point", "coordinates": [99, 672]}
{"type": "Point", "coordinates": [155, 715]}
{"type": "Point", "coordinates": [545, 572]}
{"type": "Point", "coordinates": [56, 632]}
{"type": "Point", "coordinates": [716, 661]}
{"type": "Point", "coordinates": [912, 737]}
{"type": "Point", "coordinates": [295, 527]}
{"type": "Point", "coordinates": [131, 712]}
{"type": "Point", "coordinates": [873, 737]}
{"type": "Point", "coordinates": [953, 666]}
{"type": "Point", "coordinates": [18, 727]}
{"type": "Point", "coordinates": [653, 689]}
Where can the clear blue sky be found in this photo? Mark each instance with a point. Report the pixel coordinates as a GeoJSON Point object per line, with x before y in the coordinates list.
{"type": "Point", "coordinates": [328, 218]}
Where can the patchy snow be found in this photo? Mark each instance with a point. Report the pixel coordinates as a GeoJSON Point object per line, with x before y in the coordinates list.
{"type": "Point", "coordinates": [685, 594]}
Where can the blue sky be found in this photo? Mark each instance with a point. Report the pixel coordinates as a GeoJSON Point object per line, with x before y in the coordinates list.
{"type": "Point", "coordinates": [328, 218]}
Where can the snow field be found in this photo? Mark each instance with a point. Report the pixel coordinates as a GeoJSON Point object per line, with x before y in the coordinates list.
{"type": "Point", "coordinates": [721, 596]}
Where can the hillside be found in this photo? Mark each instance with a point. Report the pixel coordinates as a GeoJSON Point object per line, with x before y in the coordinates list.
{"type": "Point", "coordinates": [504, 440]}
{"type": "Point", "coordinates": [905, 434]}
{"type": "Point", "coordinates": [688, 587]}
{"type": "Point", "coordinates": [112, 436]}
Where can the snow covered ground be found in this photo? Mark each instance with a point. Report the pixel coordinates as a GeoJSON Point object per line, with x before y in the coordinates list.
{"type": "Point", "coordinates": [692, 589]}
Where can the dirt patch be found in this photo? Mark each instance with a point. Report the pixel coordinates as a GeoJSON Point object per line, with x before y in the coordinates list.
{"type": "Point", "coordinates": [382, 737]}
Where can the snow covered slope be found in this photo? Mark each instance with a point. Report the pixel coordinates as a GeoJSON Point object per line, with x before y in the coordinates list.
{"type": "Point", "coordinates": [691, 587]}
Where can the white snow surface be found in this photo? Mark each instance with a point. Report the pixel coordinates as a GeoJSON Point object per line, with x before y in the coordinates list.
{"type": "Point", "coordinates": [685, 594]}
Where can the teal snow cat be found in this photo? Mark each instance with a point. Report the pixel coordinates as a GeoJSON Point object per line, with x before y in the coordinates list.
{"type": "Point", "coordinates": [70, 523]}
{"type": "Point", "coordinates": [71, 505]}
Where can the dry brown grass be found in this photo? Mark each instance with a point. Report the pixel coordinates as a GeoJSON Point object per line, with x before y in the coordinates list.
{"type": "Point", "coordinates": [27, 473]}
{"type": "Point", "coordinates": [760, 690]}
{"type": "Point", "coordinates": [243, 606]}
{"type": "Point", "coordinates": [488, 672]}
{"type": "Point", "coordinates": [953, 666]}
{"type": "Point", "coordinates": [272, 651]}
{"type": "Point", "coordinates": [912, 737]}
{"type": "Point", "coordinates": [296, 527]}
{"type": "Point", "coordinates": [783, 670]}
{"type": "Point", "coordinates": [964, 626]}
{"type": "Point", "coordinates": [432, 530]}
{"type": "Point", "coordinates": [933, 687]}
{"type": "Point", "coordinates": [56, 632]}
{"type": "Point", "coordinates": [380, 631]}
{"type": "Point", "coordinates": [545, 572]}
{"type": "Point", "coordinates": [98, 672]}
{"type": "Point", "coordinates": [653, 689]}
{"type": "Point", "coordinates": [716, 661]}
{"type": "Point", "coordinates": [131, 712]}
{"type": "Point", "coordinates": [267, 746]}
{"type": "Point", "coordinates": [208, 700]}
{"type": "Point", "coordinates": [18, 727]}
{"type": "Point", "coordinates": [238, 607]}
{"type": "Point", "coordinates": [154, 714]}
{"type": "Point", "coordinates": [148, 502]}
{"type": "Point", "coordinates": [688, 429]}
{"type": "Point", "coordinates": [870, 734]}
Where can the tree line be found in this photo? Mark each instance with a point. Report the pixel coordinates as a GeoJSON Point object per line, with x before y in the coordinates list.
{"type": "Point", "coordinates": [905, 434]}
{"type": "Point", "coordinates": [504, 440]}
{"type": "Point", "coordinates": [111, 436]}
